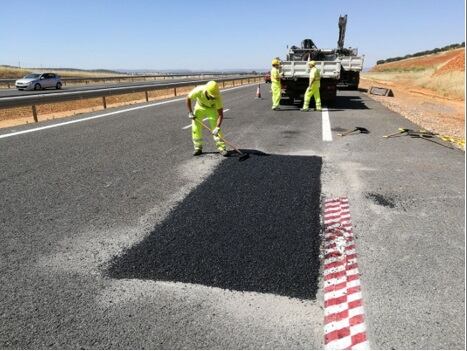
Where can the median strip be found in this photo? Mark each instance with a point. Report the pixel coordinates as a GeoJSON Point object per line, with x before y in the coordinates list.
{"type": "Point", "coordinates": [104, 115]}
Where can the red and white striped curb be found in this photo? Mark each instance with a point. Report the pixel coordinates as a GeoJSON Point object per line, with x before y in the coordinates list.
{"type": "Point", "coordinates": [344, 325]}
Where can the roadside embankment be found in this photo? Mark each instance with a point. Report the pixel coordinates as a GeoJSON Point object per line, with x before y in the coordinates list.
{"type": "Point", "coordinates": [428, 90]}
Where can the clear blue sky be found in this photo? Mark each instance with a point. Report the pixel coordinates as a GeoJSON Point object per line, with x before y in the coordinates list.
{"type": "Point", "coordinates": [214, 34]}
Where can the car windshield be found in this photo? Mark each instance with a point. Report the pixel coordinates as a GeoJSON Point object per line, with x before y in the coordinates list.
{"type": "Point", "coordinates": [32, 76]}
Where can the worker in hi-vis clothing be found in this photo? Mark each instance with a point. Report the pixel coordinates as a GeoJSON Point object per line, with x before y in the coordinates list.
{"type": "Point", "coordinates": [208, 105]}
{"type": "Point", "coordinates": [276, 83]}
{"type": "Point", "coordinates": [313, 88]}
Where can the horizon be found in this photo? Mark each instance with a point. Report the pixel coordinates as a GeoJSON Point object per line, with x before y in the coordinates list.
{"type": "Point", "coordinates": [137, 37]}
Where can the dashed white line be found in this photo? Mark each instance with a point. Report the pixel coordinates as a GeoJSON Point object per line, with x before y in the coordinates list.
{"type": "Point", "coordinates": [327, 135]}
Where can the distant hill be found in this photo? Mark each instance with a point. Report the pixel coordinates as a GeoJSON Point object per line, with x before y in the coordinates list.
{"type": "Point", "coordinates": [7, 71]}
{"type": "Point", "coordinates": [422, 53]}
{"type": "Point", "coordinates": [443, 73]}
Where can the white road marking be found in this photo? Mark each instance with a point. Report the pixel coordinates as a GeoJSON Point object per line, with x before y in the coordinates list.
{"type": "Point", "coordinates": [204, 120]}
{"type": "Point", "coordinates": [327, 135]}
{"type": "Point", "coordinates": [2, 136]}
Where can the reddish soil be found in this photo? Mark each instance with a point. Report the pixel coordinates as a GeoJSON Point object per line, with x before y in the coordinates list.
{"type": "Point", "coordinates": [457, 63]}
{"type": "Point", "coordinates": [423, 62]}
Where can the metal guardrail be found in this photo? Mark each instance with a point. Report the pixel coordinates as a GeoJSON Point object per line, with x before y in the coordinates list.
{"type": "Point", "coordinates": [40, 99]}
{"type": "Point", "coordinates": [11, 81]}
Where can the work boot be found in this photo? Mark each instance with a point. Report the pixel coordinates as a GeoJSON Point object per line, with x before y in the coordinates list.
{"type": "Point", "coordinates": [223, 152]}
{"type": "Point", "coordinates": [276, 109]}
{"type": "Point", "coordinates": [197, 152]}
{"type": "Point", "coordinates": [305, 109]}
{"type": "Point", "coordinates": [318, 109]}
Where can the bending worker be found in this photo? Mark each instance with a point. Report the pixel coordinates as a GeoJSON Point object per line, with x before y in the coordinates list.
{"type": "Point", "coordinates": [276, 83]}
{"type": "Point", "coordinates": [313, 88]}
{"type": "Point", "coordinates": [208, 105]}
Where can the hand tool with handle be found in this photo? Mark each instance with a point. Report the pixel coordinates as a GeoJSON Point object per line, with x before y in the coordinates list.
{"type": "Point", "coordinates": [356, 129]}
{"type": "Point", "coordinates": [243, 155]}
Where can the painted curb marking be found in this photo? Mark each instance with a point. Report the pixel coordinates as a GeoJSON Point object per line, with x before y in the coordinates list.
{"type": "Point", "coordinates": [344, 317]}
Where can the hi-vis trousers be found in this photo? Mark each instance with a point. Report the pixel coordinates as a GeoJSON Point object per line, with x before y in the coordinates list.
{"type": "Point", "coordinates": [197, 129]}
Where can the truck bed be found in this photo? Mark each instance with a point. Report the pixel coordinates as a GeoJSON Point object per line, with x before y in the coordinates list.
{"type": "Point", "coordinates": [300, 69]}
{"type": "Point", "coordinates": [352, 63]}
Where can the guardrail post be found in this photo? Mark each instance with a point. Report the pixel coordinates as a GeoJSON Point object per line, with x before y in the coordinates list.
{"type": "Point", "coordinates": [34, 113]}
{"type": "Point", "coordinates": [104, 102]}
{"type": "Point", "coordinates": [147, 96]}
{"type": "Point", "coordinates": [175, 91]}
{"type": "Point", "coordinates": [8, 85]}
{"type": "Point", "coordinates": [223, 84]}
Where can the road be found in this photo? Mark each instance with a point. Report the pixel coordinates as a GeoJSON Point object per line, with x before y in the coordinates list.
{"type": "Point", "coordinates": [4, 93]}
{"type": "Point", "coordinates": [114, 236]}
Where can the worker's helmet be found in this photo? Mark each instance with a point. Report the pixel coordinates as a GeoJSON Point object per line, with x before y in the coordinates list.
{"type": "Point", "coordinates": [276, 62]}
{"type": "Point", "coordinates": [212, 89]}
{"type": "Point", "coordinates": [311, 63]}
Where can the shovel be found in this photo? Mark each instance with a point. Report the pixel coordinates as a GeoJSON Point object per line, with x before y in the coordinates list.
{"type": "Point", "coordinates": [362, 130]}
{"type": "Point", "coordinates": [242, 155]}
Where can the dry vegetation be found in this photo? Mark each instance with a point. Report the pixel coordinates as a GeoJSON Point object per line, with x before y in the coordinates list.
{"type": "Point", "coordinates": [14, 72]}
{"type": "Point", "coordinates": [428, 90]}
{"type": "Point", "coordinates": [443, 74]}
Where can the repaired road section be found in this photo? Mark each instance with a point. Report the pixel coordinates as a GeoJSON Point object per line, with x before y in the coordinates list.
{"type": "Point", "coordinates": [113, 236]}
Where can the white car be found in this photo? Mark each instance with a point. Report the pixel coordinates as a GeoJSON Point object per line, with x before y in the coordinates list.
{"type": "Point", "coordinates": [39, 81]}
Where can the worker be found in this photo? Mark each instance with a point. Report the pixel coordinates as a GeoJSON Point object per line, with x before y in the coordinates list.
{"type": "Point", "coordinates": [276, 83]}
{"type": "Point", "coordinates": [313, 88]}
{"type": "Point", "coordinates": [208, 105]}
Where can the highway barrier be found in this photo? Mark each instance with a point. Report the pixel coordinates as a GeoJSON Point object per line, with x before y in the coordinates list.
{"type": "Point", "coordinates": [10, 82]}
{"type": "Point", "coordinates": [62, 96]}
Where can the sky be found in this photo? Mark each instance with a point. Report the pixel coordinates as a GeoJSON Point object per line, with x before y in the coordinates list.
{"type": "Point", "coordinates": [213, 34]}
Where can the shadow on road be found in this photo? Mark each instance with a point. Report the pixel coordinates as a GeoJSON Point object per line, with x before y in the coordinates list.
{"type": "Point", "coordinates": [348, 103]}
{"type": "Point", "coordinates": [250, 226]}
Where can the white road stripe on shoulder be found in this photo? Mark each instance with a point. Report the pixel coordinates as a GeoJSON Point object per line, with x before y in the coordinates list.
{"type": "Point", "coordinates": [204, 120]}
{"type": "Point", "coordinates": [3, 136]}
{"type": "Point", "coordinates": [327, 135]}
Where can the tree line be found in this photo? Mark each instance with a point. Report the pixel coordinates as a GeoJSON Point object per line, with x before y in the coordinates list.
{"type": "Point", "coordinates": [422, 53]}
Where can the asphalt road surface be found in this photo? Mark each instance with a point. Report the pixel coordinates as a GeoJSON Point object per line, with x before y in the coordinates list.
{"type": "Point", "coordinates": [114, 236]}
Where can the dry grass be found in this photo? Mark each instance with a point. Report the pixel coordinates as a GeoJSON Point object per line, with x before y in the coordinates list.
{"type": "Point", "coordinates": [8, 72]}
{"type": "Point", "coordinates": [443, 74]}
{"type": "Point", "coordinates": [12, 72]}
{"type": "Point", "coordinates": [448, 85]}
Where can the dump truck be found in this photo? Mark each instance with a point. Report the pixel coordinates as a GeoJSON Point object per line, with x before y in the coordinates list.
{"type": "Point", "coordinates": [339, 67]}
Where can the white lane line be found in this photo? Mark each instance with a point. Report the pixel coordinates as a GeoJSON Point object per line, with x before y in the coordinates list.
{"type": "Point", "coordinates": [2, 136]}
{"type": "Point", "coordinates": [204, 120]}
{"type": "Point", "coordinates": [327, 135]}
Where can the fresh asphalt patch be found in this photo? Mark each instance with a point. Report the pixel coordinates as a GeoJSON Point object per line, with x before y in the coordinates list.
{"type": "Point", "coordinates": [251, 226]}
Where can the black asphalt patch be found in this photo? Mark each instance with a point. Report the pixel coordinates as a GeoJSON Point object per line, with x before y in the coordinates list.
{"type": "Point", "coordinates": [382, 200]}
{"type": "Point", "coordinates": [250, 226]}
